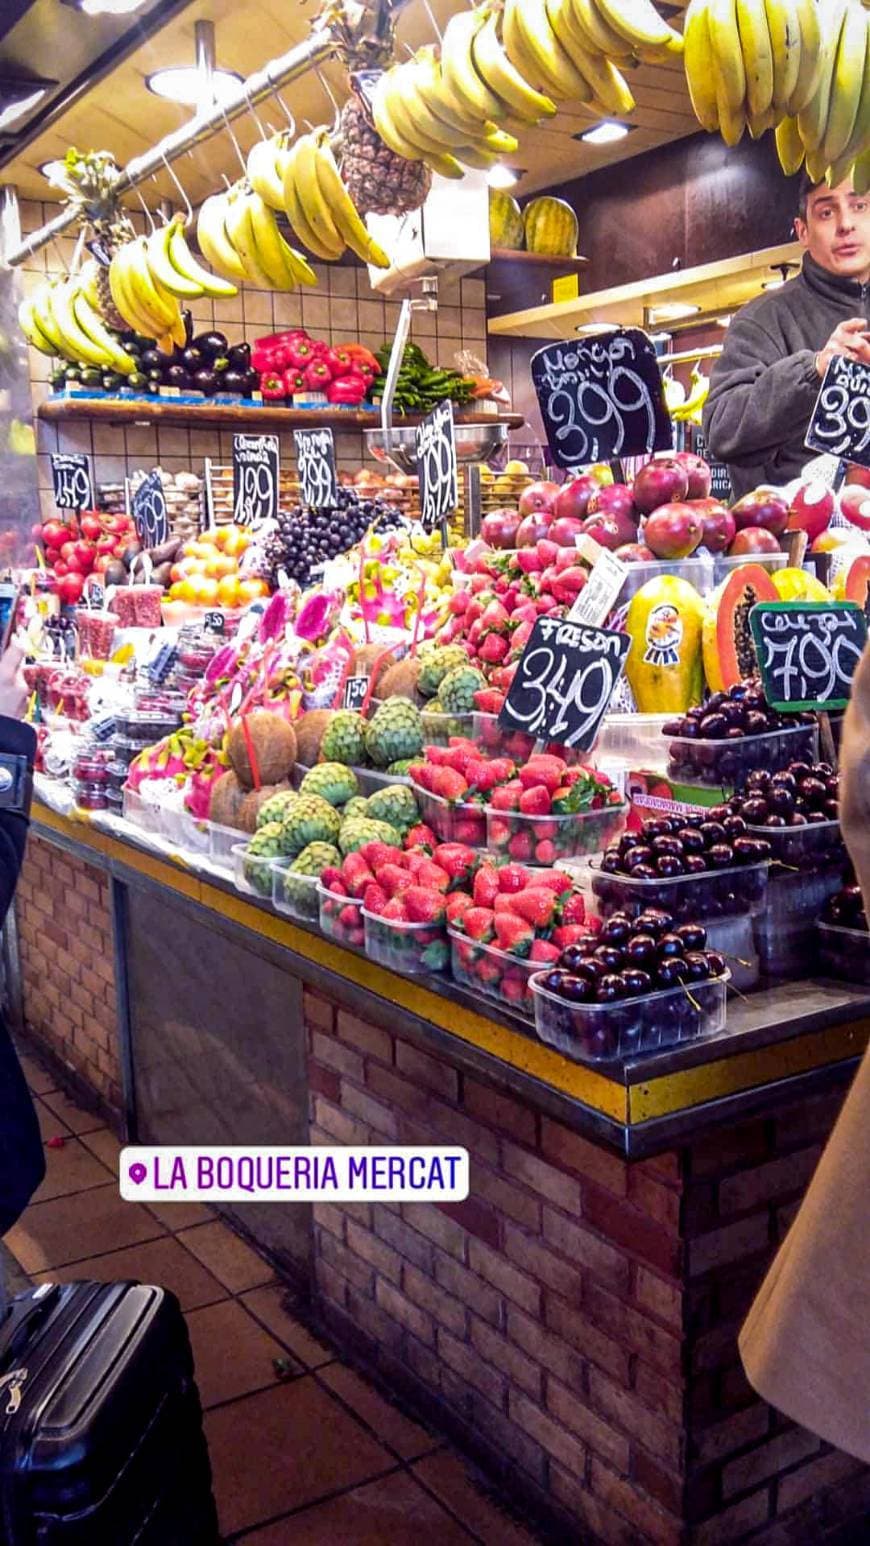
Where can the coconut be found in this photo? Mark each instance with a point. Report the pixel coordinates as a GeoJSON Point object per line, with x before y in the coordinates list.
{"type": "Point", "coordinates": [400, 681]}
{"type": "Point", "coordinates": [227, 797]}
{"type": "Point", "coordinates": [372, 660]}
{"type": "Point", "coordinates": [252, 801]}
{"type": "Point", "coordinates": [310, 730]}
{"type": "Point", "coordinates": [273, 742]}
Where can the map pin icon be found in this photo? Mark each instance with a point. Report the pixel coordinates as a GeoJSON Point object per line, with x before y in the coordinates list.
{"type": "Point", "coordinates": [137, 1173]}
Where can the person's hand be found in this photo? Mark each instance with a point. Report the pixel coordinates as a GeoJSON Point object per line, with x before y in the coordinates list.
{"type": "Point", "coordinates": [848, 338]}
{"type": "Point", "coordinates": [13, 687]}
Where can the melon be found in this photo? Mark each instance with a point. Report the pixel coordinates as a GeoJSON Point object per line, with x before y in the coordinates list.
{"type": "Point", "coordinates": [551, 228]}
{"type": "Point", "coordinates": [310, 730]}
{"type": "Point", "coordinates": [729, 653]}
{"type": "Point", "coordinates": [227, 798]}
{"type": "Point", "coordinates": [799, 585]}
{"type": "Point", "coordinates": [505, 221]}
{"type": "Point", "coordinates": [267, 741]}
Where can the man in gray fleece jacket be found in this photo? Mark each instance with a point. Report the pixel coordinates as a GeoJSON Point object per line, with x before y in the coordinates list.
{"type": "Point", "coordinates": [766, 380]}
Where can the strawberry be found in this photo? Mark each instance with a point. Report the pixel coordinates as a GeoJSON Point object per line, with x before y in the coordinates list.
{"type": "Point", "coordinates": [513, 989]}
{"type": "Point", "coordinates": [568, 585]}
{"type": "Point", "coordinates": [494, 617]}
{"type": "Point", "coordinates": [420, 836]}
{"type": "Point", "coordinates": [423, 905]}
{"type": "Point", "coordinates": [458, 904]}
{"type": "Point", "coordinates": [569, 934]}
{"type": "Point", "coordinates": [535, 801]}
{"type": "Point", "coordinates": [546, 550]}
{"type": "Point", "coordinates": [489, 700]}
{"type": "Point", "coordinates": [513, 878]}
{"type": "Point", "coordinates": [481, 775]}
{"type": "Point", "coordinates": [331, 878]}
{"type": "Point", "coordinates": [542, 769]}
{"type": "Point", "coordinates": [378, 854]}
{"type": "Point", "coordinates": [421, 773]}
{"type": "Point", "coordinates": [374, 899]}
{"type": "Point", "coordinates": [448, 783]}
{"type": "Point", "coordinates": [479, 923]}
{"type": "Point", "coordinates": [528, 560]}
{"type": "Point", "coordinates": [544, 950]}
{"type": "Point", "coordinates": [439, 756]}
{"type": "Point", "coordinates": [574, 909]}
{"type": "Point", "coordinates": [486, 886]}
{"type": "Point", "coordinates": [395, 910]}
{"type": "Point", "coordinates": [513, 933]}
{"type": "Point", "coordinates": [507, 796]}
{"type": "Point", "coordinates": [456, 858]}
{"type": "Point", "coordinates": [459, 602]}
{"type": "Point", "coordinates": [545, 851]}
{"type": "Point", "coordinates": [554, 880]}
{"type": "Point", "coordinates": [394, 878]}
{"type": "Point", "coordinates": [504, 902]}
{"type": "Point", "coordinates": [470, 830]}
{"type": "Point", "coordinates": [521, 638]}
{"type": "Point", "coordinates": [487, 970]}
{"type": "Point", "coordinates": [494, 649]}
{"type": "Point", "coordinates": [520, 847]}
{"type": "Point", "coordinates": [348, 918]}
{"type": "Point", "coordinates": [427, 873]}
{"type": "Point", "coordinates": [536, 905]}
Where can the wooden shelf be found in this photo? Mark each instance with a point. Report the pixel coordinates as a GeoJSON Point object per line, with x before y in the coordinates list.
{"type": "Point", "coordinates": [541, 259]}
{"type": "Point", "coordinates": [119, 410]}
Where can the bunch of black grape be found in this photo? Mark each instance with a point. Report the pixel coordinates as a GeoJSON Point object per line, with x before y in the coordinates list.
{"type": "Point", "coordinates": [305, 538]}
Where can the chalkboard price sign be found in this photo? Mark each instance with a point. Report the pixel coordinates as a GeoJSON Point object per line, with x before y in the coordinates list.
{"type": "Point", "coordinates": [71, 476]}
{"type": "Point", "coordinates": [840, 422]}
{"type": "Point", "coordinates": [436, 466]}
{"type": "Point", "coordinates": [601, 398]}
{"type": "Point", "coordinates": [315, 459]}
{"type": "Point", "coordinates": [149, 512]}
{"type": "Point", "coordinates": [214, 622]}
{"type": "Point", "coordinates": [355, 689]}
{"type": "Point", "coordinates": [255, 479]}
{"type": "Point", "coordinates": [807, 651]}
{"type": "Point", "coordinates": [564, 681]}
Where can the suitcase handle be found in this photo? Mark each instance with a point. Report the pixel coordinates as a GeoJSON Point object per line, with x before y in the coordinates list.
{"type": "Point", "coordinates": [25, 1313]}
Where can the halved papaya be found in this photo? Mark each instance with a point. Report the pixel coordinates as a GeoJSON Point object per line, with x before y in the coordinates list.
{"type": "Point", "coordinates": [857, 587]}
{"type": "Point", "coordinates": [729, 653]}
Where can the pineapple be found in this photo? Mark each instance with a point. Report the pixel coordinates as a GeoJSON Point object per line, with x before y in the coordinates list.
{"type": "Point", "coordinates": [378, 181]}
{"type": "Point", "coordinates": [89, 183]}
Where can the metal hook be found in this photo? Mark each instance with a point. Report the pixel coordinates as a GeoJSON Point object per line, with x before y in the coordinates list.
{"type": "Point", "coordinates": [59, 251]}
{"type": "Point", "coordinates": [236, 146]}
{"type": "Point", "coordinates": [331, 95]}
{"type": "Point", "coordinates": [77, 252]}
{"type": "Point", "coordinates": [148, 215]}
{"type": "Point", "coordinates": [287, 113]}
{"type": "Point", "coordinates": [251, 109]}
{"type": "Point", "coordinates": [428, 9]}
{"type": "Point", "coordinates": [187, 204]}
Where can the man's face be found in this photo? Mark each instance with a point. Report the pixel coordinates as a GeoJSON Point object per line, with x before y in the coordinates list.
{"type": "Point", "coordinates": [836, 231]}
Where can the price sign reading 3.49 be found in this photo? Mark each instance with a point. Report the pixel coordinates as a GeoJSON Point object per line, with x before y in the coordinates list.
{"type": "Point", "coordinates": [564, 681]}
{"type": "Point", "coordinates": [315, 458]}
{"type": "Point", "coordinates": [840, 422]}
{"type": "Point", "coordinates": [255, 479]}
{"type": "Point", "coordinates": [436, 466]}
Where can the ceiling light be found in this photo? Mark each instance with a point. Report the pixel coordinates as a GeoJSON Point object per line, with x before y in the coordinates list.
{"type": "Point", "coordinates": [18, 97]}
{"type": "Point", "coordinates": [105, 7]}
{"type": "Point", "coordinates": [595, 327]}
{"type": "Point", "coordinates": [604, 133]}
{"type": "Point", "coordinates": [671, 311]}
{"type": "Point", "coordinates": [503, 176]}
{"type": "Point", "coordinates": [184, 84]}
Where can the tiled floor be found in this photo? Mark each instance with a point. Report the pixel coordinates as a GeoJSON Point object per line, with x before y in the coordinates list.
{"type": "Point", "coordinates": [304, 1451]}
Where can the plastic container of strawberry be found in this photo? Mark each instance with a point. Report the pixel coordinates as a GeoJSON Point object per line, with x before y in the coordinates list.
{"type": "Point", "coordinates": [341, 918]}
{"type": "Point", "coordinates": [714, 894]}
{"type": "Point", "coordinates": [294, 894]}
{"type": "Point", "coordinates": [607, 1033]}
{"type": "Point", "coordinates": [412, 949]}
{"type": "Point", "coordinates": [484, 969]}
{"type": "Point", "coordinates": [452, 822]}
{"type": "Point", "coordinates": [497, 742]}
{"type": "Point", "coordinates": [543, 840]}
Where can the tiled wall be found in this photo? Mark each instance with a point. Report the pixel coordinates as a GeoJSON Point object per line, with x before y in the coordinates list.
{"type": "Point", "coordinates": [341, 308]}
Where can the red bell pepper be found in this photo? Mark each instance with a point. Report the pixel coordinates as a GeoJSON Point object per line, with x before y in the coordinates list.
{"type": "Point", "coordinates": [348, 391]}
{"type": "Point", "coordinates": [294, 381]}
{"type": "Point", "coordinates": [317, 376]}
{"type": "Point", "coordinates": [339, 362]}
{"type": "Point", "coordinates": [300, 353]}
{"type": "Point", "coordinates": [363, 356]}
{"type": "Point", "coordinates": [272, 386]}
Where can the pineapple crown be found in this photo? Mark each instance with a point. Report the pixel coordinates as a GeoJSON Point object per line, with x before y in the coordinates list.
{"type": "Point", "coordinates": [89, 180]}
{"type": "Point", "coordinates": [362, 30]}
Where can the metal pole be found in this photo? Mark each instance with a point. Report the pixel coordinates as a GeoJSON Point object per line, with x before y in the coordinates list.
{"type": "Point", "coordinates": [203, 33]}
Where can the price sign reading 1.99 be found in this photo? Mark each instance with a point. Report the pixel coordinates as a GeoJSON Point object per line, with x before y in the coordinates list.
{"type": "Point", "coordinates": [255, 479]}
{"type": "Point", "coordinates": [840, 422]}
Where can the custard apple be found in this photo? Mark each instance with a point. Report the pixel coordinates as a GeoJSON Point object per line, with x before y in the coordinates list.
{"type": "Point", "coordinates": [355, 807]}
{"type": "Point", "coordinates": [400, 769]}
{"type": "Point", "coordinates": [361, 829]}
{"type": "Point", "coordinates": [394, 804]}
{"type": "Point", "coordinates": [311, 820]}
{"type": "Point", "coordinates": [333, 781]}
{"type": "Point", "coordinates": [394, 732]}
{"type": "Point", "coordinates": [265, 845]}
{"type": "Point", "coordinates": [437, 665]}
{"type": "Point", "coordinates": [344, 739]}
{"type": "Point", "coordinates": [298, 882]}
{"type": "Point", "coordinates": [458, 688]}
{"type": "Point", "coordinates": [276, 808]}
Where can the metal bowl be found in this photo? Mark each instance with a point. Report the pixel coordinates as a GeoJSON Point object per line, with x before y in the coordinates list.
{"type": "Point", "coordinates": [474, 443]}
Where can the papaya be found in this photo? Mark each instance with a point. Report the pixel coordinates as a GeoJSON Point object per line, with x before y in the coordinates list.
{"type": "Point", "coordinates": [728, 650]}
{"type": "Point", "coordinates": [798, 585]}
{"type": "Point", "coordinates": [857, 586]}
{"type": "Point", "coordinates": [664, 667]}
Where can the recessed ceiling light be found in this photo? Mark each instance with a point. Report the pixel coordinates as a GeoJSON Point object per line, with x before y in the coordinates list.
{"type": "Point", "coordinates": [504, 176]}
{"type": "Point", "coordinates": [671, 311]}
{"type": "Point", "coordinates": [185, 84]}
{"type": "Point", "coordinates": [105, 7]}
{"type": "Point", "coordinates": [18, 97]}
{"type": "Point", "coordinates": [605, 133]}
{"type": "Point", "coordinates": [594, 327]}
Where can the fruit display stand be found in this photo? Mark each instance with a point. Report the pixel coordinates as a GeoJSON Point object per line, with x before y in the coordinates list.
{"type": "Point", "coordinates": [573, 1323]}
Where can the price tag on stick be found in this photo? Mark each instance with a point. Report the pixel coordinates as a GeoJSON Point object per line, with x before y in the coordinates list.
{"type": "Point", "coordinates": [564, 681]}
{"type": "Point", "coordinates": [214, 622]}
{"type": "Point", "coordinates": [355, 689]}
{"type": "Point", "coordinates": [436, 466]}
{"type": "Point", "coordinates": [807, 652]}
{"type": "Point", "coordinates": [315, 459]}
{"type": "Point", "coordinates": [149, 511]}
{"type": "Point", "coordinates": [255, 479]}
{"type": "Point", "coordinates": [840, 422]}
{"type": "Point", "coordinates": [601, 398]}
{"type": "Point", "coordinates": [71, 476]}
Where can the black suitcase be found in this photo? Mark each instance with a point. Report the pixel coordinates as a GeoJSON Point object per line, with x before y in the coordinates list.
{"type": "Point", "coordinates": [101, 1439]}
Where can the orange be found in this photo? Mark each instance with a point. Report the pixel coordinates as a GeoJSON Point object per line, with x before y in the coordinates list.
{"type": "Point", "coordinates": [220, 565]}
{"type": "Point", "coordinates": [252, 590]}
{"type": "Point", "coordinates": [185, 591]}
{"type": "Point", "coordinates": [205, 590]}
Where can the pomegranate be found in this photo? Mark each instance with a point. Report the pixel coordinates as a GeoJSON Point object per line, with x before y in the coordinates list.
{"type": "Point", "coordinates": [673, 530]}
{"type": "Point", "coordinates": [718, 525]}
{"type": "Point", "coordinates": [611, 531]}
{"type": "Point", "coordinates": [763, 507]}
{"type": "Point", "coordinates": [754, 539]}
{"type": "Point", "coordinates": [532, 527]}
{"type": "Point", "coordinates": [812, 506]}
{"type": "Point", "coordinates": [659, 482]}
{"type": "Point", "coordinates": [698, 473]}
{"type": "Point", "coordinates": [573, 497]}
{"type": "Point", "coordinates": [635, 553]}
{"type": "Point", "coordinates": [538, 496]}
{"type": "Point", "coordinates": [499, 528]}
{"type": "Point", "coordinates": [615, 499]}
{"type": "Point", "coordinates": [855, 505]}
{"type": "Point", "coordinates": [565, 530]}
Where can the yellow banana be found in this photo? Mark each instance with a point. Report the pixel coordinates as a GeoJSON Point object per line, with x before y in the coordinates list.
{"type": "Point", "coordinates": [95, 329]}
{"type": "Point", "coordinates": [760, 124]}
{"type": "Point", "coordinates": [404, 119]}
{"type": "Point", "coordinates": [757, 51]}
{"type": "Point", "coordinates": [317, 210]}
{"type": "Point", "coordinates": [699, 386]}
{"type": "Point", "coordinates": [606, 84]}
{"type": "Point", "coordinates": [263, 171]}
{"type": "Point", "coordinates": [848, 80]}
{"type": "Point", "coordinates": [458, 66]}
{"type": "Point", "coordinates": [700, 73]}
{"type": "Point", "coordinates": [504, 80]}
{"type": "Point", "coordinates": [785, 42]}
{"type": "Point", "coordinates": [860, 140]}
{"type": "Point", "coordinates": [810, 55]}
{"type": "Point", "coordinates": [732, 121]}
{"type": "Point", "coordinates": [441, 99]}
{"type": "Point", "coordinates": [813, 119]}
{"type": "Point", "coordinates": [122, 300]}
{"type": "Point", "coordinates": [861, 173]}
{"type": "Point", "coordinates": [163, 273]}
{"type": "Point", "coordinates": [789, 146]}
{"type": "Point", "coordinates": [637, 21]}
{"type": "Point", "coordinates": [75, 339]}
{"type": "Point", "coordinates": [728, 64]}
{"type": "Point", "coordinates": [295, 205]}
{"type": "Point", "coordinates": [268, 255]}
{"type": "Point", "coordinates": [600, 36]}
{"type": "Point", "coordinates": [147, 296]}
{"type": "Point", "coordinates": [212, 237]}
{"type": "Point", "coordinates": [29, 325]}
{"type": "Point", "coordinates": [341, 206]}
{"type": "Point", "coordinates": [186, 265]}
{"type": "Point", "coordinates": [240, 233]}
{"type": "Point", "coordinates": [527, 24]}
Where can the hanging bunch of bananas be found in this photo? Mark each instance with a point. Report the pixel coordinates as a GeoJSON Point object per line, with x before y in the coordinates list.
{"type": "Point", "coordinates": [61, 318]}
{"type": "Point", "coordinates": [149, 278]}
{"type": "Point", "coordinates": [690, 409]}
{"type": "Point", "coordinates": [751, 63]}
{"type": "Point", "coordinates": [239, 235]}
{"type": "Point", "coordinates": [568, 47]}
{"type": "Point", "coordinates": [675, 392]}
{"type": "Point", "coordinates": [265, 167]}
{"type": "Point", "coordinates": [831, 130]}
{"type": "Point", "coordinates": [318, 205]}
{"type": "Point", "coordinates": [424, 111]}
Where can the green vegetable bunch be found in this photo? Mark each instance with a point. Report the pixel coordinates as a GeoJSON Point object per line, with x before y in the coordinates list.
{"type": "Point", "coordinates": [420, 386]}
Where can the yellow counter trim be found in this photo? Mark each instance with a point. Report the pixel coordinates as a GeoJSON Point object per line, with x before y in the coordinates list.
{"type": "Point", "coordinates": [628, 1105]}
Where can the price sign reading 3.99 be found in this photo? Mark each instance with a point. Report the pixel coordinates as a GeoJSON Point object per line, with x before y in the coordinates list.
{"type": "Point", "coordinates": [564, 681]}
{"type": "Point", "coordinates": [601, 398]}
{"type": "Point", "coordinates": [807, 652]}
{"type": "Point", "coordinates": [315, 458]}
{"type": "Point", "coordinates": [255, 479]}
{"type": "Point", "coordinates": [436, 466]}
{"type": "Point", "coordinates": [840, 422]}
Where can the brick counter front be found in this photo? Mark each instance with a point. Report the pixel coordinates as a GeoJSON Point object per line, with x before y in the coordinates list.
{"type": "Point", "coordinates": [577, 1316]}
